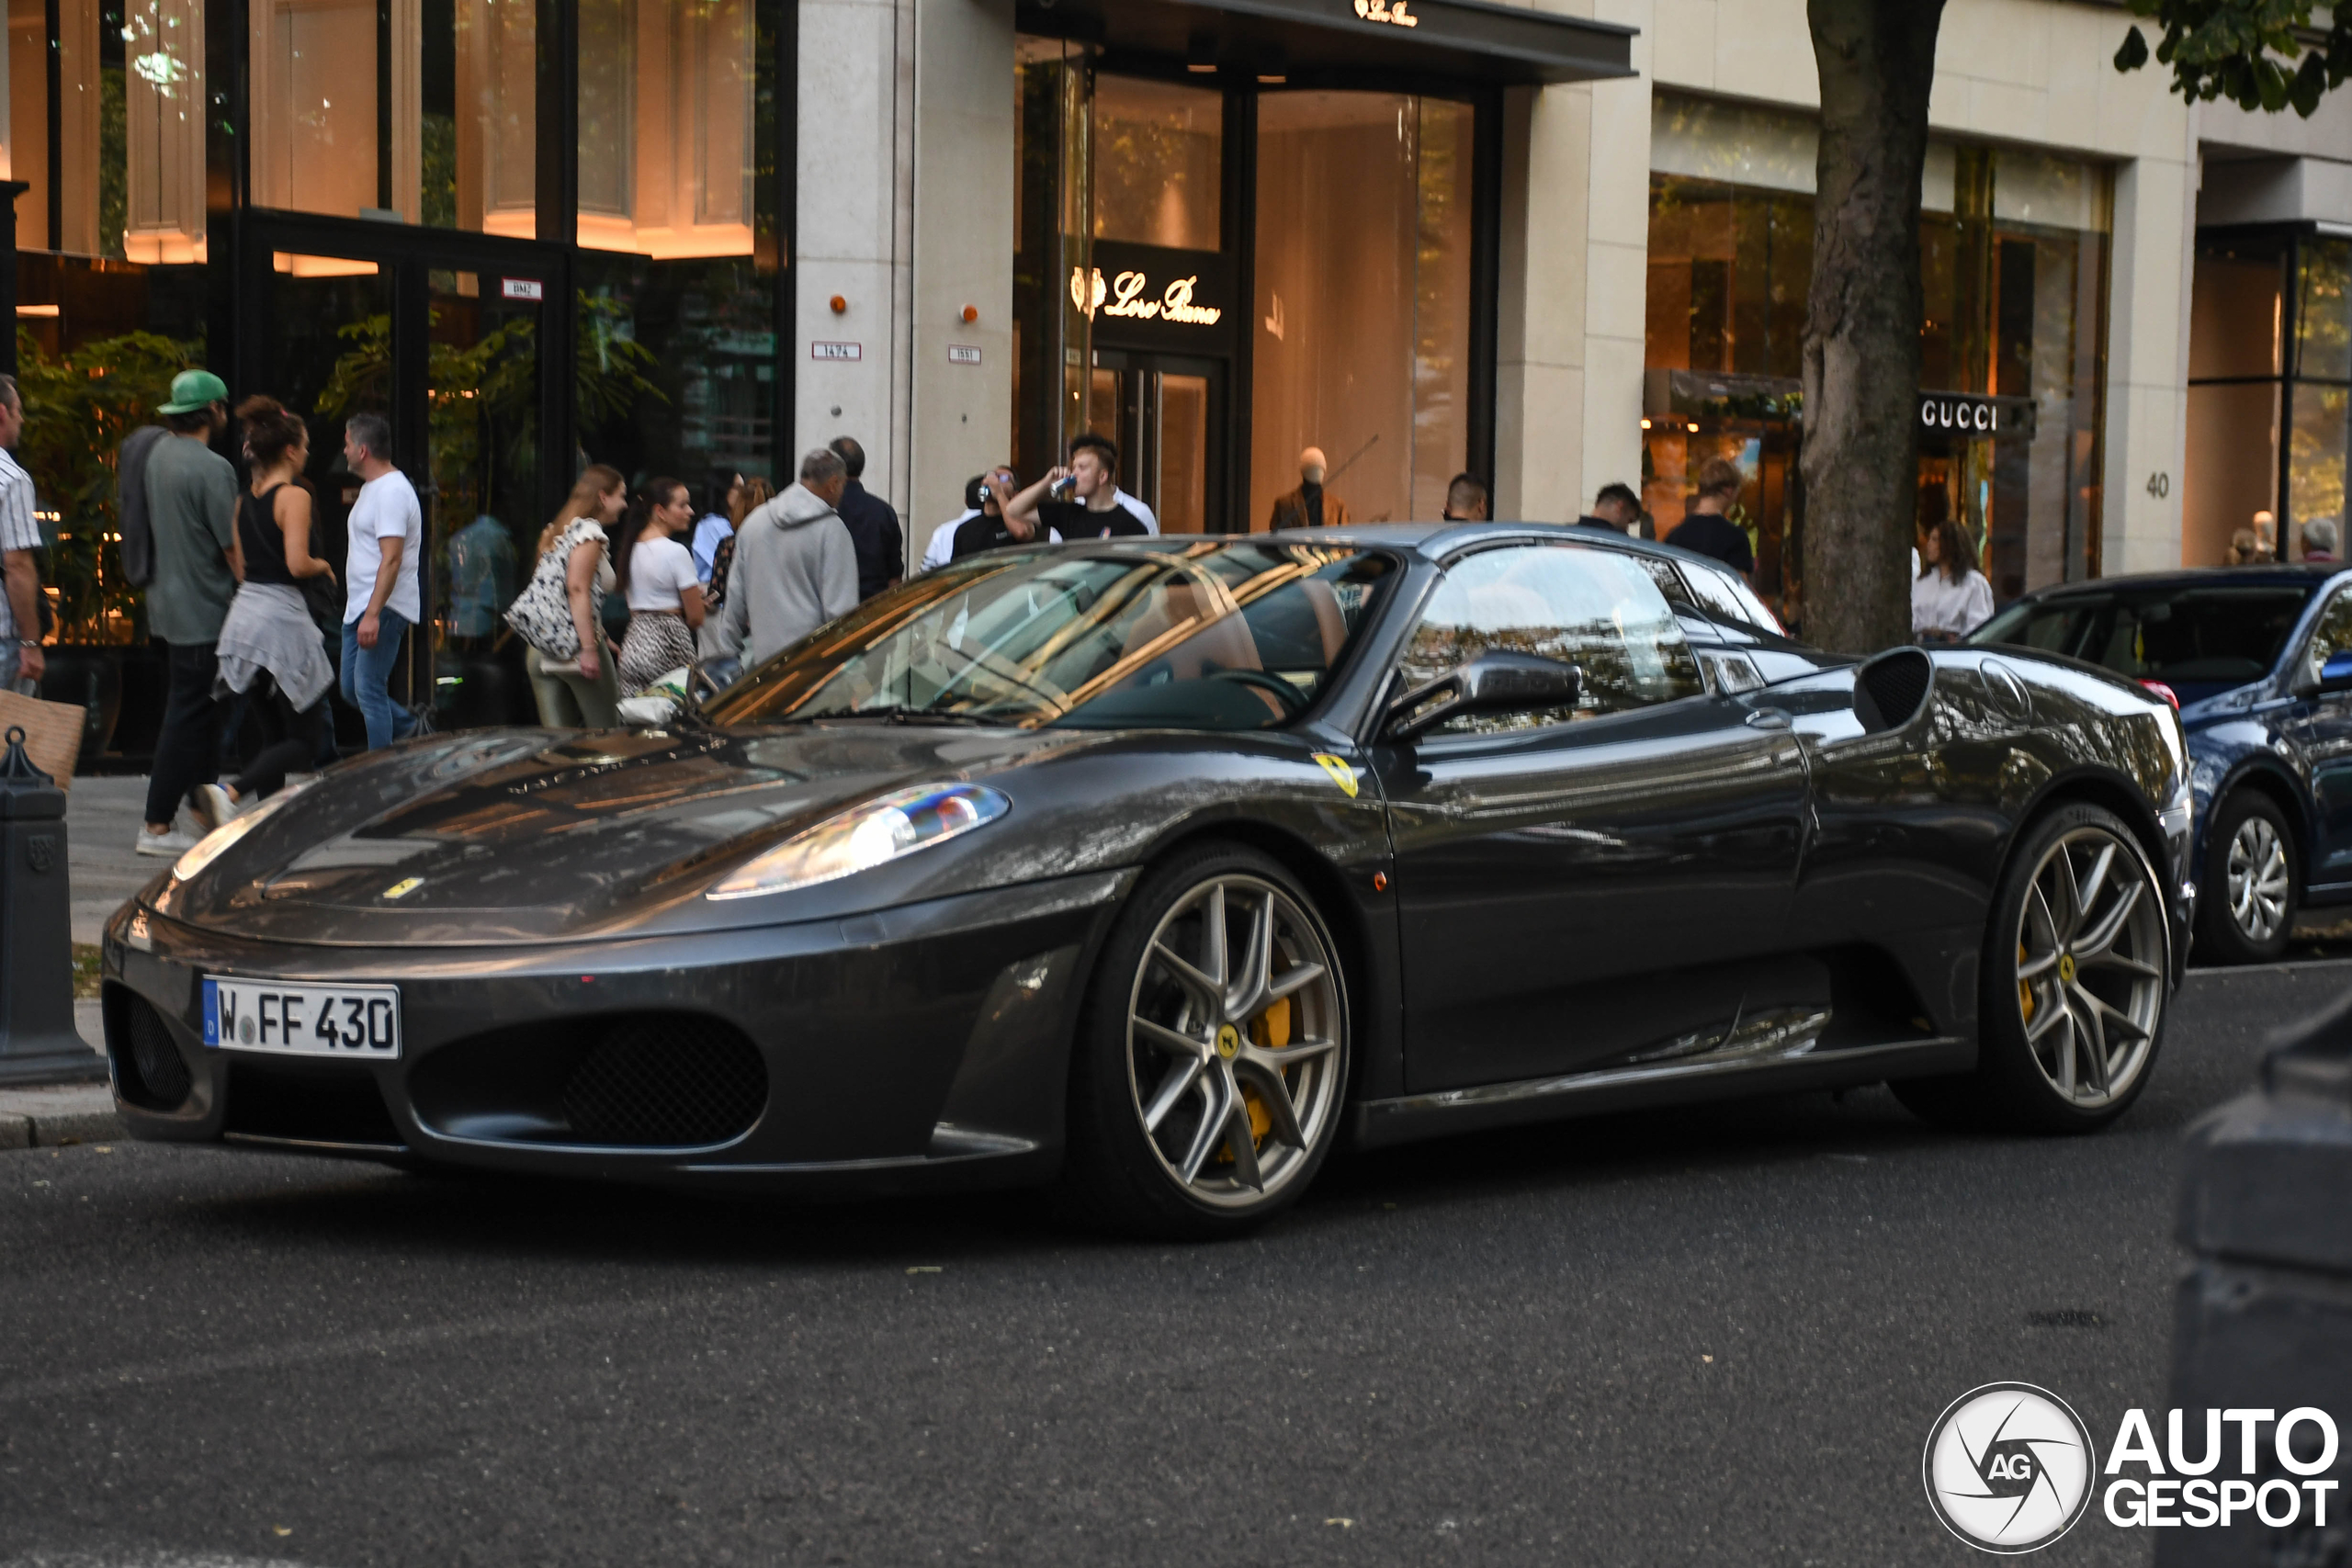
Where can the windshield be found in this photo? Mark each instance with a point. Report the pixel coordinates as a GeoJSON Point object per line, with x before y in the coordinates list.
{"type": "Point", "coordinates": [2198, 640]}
{"type": "Point", "coordinates": [1197, 634]}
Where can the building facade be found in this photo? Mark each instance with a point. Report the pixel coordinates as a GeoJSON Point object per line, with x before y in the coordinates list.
{"type": "Point", "coordinates": [1554, 247]}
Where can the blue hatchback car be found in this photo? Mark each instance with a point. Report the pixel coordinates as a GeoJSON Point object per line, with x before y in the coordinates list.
{"type": "Point", "coordinates": [2259, 660]}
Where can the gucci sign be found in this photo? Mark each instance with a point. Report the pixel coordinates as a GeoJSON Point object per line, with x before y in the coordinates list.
{"type": "Point", "coordinates": [1393, 12]}
{"type": "Point", "coordinates": [1124, 296]}
{"type": "Point", "coordinates": [1957, 411]}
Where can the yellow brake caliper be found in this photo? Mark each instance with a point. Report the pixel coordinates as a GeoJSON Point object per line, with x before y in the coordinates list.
{"type": "Point", "coordinates": [2025, 990]}
{"type": "Point", "coordinates": [1270, 1030]}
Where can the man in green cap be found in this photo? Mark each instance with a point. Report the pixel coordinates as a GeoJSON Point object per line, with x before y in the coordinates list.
{"type": "Point", "coordinates": [192, 509]}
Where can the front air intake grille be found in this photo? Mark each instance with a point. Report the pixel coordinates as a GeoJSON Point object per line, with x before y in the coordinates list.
{"type": "Point", "coordinates": [636, 1081]}
{"type": "Point", "coordinates": [328, 1104]}
{"type": "Point", "coordinates": [1890, 689]}
{"type": "Point", "coordinates": [654, 1081]}
{"type": "Point", "coordinates": [149, 1070]}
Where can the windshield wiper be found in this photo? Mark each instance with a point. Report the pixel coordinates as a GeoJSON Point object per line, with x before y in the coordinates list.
{"type": "Point", "coordinates": [898, 714]}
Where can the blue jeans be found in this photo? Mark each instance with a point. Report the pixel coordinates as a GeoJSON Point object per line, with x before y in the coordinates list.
{"type": "Point", "coordinates": [367, 675]}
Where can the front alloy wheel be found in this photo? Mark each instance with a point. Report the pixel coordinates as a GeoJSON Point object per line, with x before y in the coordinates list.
{"type": "Point", "coordinates": [1231, 1041]}
{"type": "Point", "coordinates": [1208, 1076]}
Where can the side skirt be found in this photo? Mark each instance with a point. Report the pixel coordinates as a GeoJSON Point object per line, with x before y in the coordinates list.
{"type": "Point", "coordinates": [1381, 1123]}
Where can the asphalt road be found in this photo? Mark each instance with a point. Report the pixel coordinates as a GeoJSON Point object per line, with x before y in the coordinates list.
{"type": "Point", "coordinates": [1710, 1337]}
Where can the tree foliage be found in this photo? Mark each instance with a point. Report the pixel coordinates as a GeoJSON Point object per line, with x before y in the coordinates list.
{"type": "Point", "coordinates": [2258, 55]}
{"type": "Point", "coordinates": [78, 407]}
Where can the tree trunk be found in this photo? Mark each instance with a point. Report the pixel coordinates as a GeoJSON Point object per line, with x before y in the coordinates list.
{"type": "Point", "coordinates": [1877, 60]}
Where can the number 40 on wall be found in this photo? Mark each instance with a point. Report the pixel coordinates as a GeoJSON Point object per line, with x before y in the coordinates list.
{"type": "Point", "coordinates": [2160, 485]}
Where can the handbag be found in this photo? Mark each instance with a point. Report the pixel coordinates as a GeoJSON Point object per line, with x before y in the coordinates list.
{"type": "Point", "coordinates": [541, 613]}
{"type": "Point", "coordinates": [323, 596]}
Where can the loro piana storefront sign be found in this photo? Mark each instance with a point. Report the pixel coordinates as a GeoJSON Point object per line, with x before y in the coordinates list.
{"type": "Point", "coordinates": [1129, 295]}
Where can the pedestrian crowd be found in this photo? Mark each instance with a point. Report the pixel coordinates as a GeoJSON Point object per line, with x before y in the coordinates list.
{"type": "Point", "coordinates": [258, 623]}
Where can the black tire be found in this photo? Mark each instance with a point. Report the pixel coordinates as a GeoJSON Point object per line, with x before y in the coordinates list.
{"type": "Point", "coordinates": [2258, 932]}
{"type": "Point", "coordinates": [2050, 996]}
{"type": "Point", "coordinates": [1143, 1026]}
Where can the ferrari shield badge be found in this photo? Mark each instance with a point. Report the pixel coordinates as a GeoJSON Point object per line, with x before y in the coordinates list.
{"type": "Point", "coordinates": [1341, 774]}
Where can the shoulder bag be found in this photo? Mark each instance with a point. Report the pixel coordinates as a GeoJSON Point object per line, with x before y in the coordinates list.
{"type": "Point", "coordinates": [541, 613]}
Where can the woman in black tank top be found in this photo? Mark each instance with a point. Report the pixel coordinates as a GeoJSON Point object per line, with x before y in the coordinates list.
{"type": "Point", "coordinates": [263, 536]}
{"type": "Point", "coordinates": [274, 535]}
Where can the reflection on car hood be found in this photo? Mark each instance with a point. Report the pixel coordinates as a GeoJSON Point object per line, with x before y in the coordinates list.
{"type": "Point", "coordinates": [520, 836]}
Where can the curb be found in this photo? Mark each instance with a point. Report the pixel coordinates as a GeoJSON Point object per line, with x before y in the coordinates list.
{"type": "Point", "coordinates": [52, 1118]}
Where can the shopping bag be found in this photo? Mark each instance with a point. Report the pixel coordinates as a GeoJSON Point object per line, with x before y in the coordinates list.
{"type": "Point", "coordinates": [52, 732]}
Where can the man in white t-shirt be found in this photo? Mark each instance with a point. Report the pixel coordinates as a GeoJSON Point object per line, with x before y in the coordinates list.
{"type": "Point", "coordinates": [381, 602]}
{"type": "Point", "coordinates": [1142, 514]}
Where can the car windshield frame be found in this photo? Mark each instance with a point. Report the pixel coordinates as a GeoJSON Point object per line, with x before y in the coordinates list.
{"type": "Point", "coordinates": [2093, 612]}
{"type": "Point", "coordinates": [1178, 630]}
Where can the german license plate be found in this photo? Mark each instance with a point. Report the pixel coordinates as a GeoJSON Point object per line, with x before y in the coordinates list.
{"type": "Point", "coordinates": [361, 1022]}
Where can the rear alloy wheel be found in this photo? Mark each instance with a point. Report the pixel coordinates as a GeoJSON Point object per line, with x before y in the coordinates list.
{"type": "Point", "coordinates": [2249, 902]}
{"type": "Point", "coordinates": [2074, 985]}
{"type": "Point", "coordinates": [1207, 1086]}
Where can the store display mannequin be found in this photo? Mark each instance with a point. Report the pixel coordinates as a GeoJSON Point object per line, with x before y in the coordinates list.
{"type": "Point", "coordinates": [1310, 505]}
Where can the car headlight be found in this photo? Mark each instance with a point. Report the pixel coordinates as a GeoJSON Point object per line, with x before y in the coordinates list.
{"type": "Point", "coordinates": [866, 836]}
{"type": "Point", "coordinates": [216, 844]}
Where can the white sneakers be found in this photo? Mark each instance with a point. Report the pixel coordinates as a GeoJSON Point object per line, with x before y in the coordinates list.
{"type": "Point", "coordinates": [213, 807]}
{"type": "Point", "coordinates": [173, 844]}
{"type": "Point", "coordinates": [210, 806]}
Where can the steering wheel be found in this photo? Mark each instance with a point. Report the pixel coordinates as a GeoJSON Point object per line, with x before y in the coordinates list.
{"type": "Point", "coordinates": [1287, 694]}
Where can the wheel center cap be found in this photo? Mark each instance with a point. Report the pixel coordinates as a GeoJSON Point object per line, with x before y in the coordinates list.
{"type": "Point", "coordinates": [1228, 1041]}
{"type": "Point", "coordinates": [2066, 967]}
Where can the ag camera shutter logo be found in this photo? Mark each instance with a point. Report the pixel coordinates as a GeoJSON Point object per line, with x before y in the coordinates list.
{"type": "Point", "coordinates": [2008, 1468]}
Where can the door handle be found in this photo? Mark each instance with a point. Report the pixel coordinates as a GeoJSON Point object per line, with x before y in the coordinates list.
{"type": "Point", "coordinates": [1768, 719]}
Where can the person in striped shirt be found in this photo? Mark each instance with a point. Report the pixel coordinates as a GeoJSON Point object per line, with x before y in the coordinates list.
{"type": "Point", "coordinates": [20, 656]}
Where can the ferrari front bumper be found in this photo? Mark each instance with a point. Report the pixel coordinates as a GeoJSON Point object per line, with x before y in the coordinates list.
{"type": "Point", "coordinates": [914, 1048]}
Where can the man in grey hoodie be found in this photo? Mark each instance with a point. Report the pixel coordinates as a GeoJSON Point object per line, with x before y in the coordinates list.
{"type": "Point", "coordinates": [795, 567]}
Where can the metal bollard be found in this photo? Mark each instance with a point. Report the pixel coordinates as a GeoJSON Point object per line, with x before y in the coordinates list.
{"type": "Point", "coordinates": [38, 1042]}
{"type": "Point", "coordinates": [2264, 1319]}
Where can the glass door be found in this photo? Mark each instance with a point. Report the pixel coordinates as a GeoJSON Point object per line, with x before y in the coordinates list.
{"type": "Point", "coordinates": [459, 343]}
{"type": "Point", "coordinates": [1166, 412]}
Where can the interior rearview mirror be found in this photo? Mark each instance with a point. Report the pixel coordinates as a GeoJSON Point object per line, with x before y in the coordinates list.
{"type": "Point", "coordinates": [1492, 682]}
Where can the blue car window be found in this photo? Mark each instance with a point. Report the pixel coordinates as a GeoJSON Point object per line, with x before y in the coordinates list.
{"type": "Point", "coordinates": [2199, 638]}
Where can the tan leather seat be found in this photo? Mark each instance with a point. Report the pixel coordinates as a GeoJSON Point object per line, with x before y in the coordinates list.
{"type": "Point", "coordinates": [1224, 645]}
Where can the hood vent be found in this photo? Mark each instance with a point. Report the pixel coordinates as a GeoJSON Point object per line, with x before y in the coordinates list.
{"type": "Point", "coordinates": [1889, 690]}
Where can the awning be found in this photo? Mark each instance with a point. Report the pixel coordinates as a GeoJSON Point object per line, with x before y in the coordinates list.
{"type": "Point", "coordinates": [1306, 42]}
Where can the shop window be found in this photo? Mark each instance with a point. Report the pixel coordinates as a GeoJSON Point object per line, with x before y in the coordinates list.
{"type": "Point", "coordinates": [123, 176]}
{"type": "Point", "coordinates": [2315, 460]}
{"type": "Point", "coordinates": [2324, 311]}
{"type": "Point", "coordinates": [666, 112]}
{"type": "Point", "coordinates": [2236, 314]}
{"type": "Point", "coordinates": [676, 348]}
{"type": "Point", "coordinates": [1728, 271]}
{"type": "Point", "coordinates": [1362, 310]}
{"type": "Point", "coordinates": [2013, 273]}
{"type": "Point", "coordinates": [2270, 358]}
{"type": "Point", "coordinates": [437, 129]}
{"type": "Point", "coordinates": [1159, 157]}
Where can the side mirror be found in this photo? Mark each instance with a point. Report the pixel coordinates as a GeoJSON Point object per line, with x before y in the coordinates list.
{"type": "Point", "coordinates": [1492, 682]}
{"type": "Point", "coordinates": [2335, 675]}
